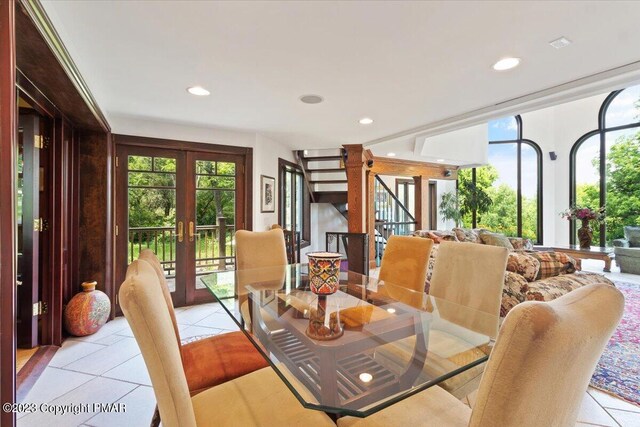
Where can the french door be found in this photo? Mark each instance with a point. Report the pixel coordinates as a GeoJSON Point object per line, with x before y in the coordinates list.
{"type": "Point", "coordinates": [185, 206]}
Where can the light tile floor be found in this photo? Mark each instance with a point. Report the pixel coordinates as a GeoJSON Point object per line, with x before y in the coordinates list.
{"type": "Point", "coordinates": [107, 368]}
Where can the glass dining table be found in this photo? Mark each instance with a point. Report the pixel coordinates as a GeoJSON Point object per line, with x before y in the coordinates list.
{"type": "Point", "coordinates": [359, 350]}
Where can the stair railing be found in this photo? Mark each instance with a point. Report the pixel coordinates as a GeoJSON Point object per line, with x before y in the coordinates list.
{"type": "Point", "coordinates": [391, 217]}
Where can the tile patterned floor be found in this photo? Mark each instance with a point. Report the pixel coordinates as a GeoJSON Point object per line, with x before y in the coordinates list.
{"type": "Point", "coordinates": [107, 368]}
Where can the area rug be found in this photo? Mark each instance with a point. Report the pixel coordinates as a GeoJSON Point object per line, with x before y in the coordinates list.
{"type": "Point", "coordinates": [618, 371]}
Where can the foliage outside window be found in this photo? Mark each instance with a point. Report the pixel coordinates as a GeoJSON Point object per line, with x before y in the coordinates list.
{"type": "Point", "coordinates": [505, 195]}
{"type": "Point", "coordinates": [605, 166]}
{"type": "Point", "coordinates": [294, 203]}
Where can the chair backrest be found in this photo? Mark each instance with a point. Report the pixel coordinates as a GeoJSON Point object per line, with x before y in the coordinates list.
{"type": "Point", "coordinates": [544, 357]}
{"type": "Point", "coordinates": [405, 261]}
{"type": "Point", "coordinates": [150, 257]}
{"type": "Point", "coordinates": [472, 275]}
{"type": "Point", "coordinates": [255, 249]}
{"type": "Point", "coordinates": [145, 309]}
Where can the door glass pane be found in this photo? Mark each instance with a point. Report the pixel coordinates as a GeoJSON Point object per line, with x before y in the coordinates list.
{"type": "Point", "coordinates": [288, 200]}
{"type": "Point", "coordinates": [299, 203]}
{"type": "Point", "coordinates": [152, 211]}
{"type": "Point", "coordinates": [215, 217]}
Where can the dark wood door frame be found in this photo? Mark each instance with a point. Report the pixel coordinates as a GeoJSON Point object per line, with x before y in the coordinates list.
{"type": "Point", "coordinates": [8, 134]}
{"type": "Point", "coordinates": [122, 143]}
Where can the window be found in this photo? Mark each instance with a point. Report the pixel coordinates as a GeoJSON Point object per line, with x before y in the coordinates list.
{"type": "Point", "coordinates": [505, 195]}
{"type": "Point", "coordinates": [604, 166]}
{"type": "Point", "coordinates": [294, 211]}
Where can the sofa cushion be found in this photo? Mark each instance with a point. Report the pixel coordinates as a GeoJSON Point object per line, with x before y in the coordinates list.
{"type": "Point", "coordinates": [496, 239]}
{"type": "Point", "coordinates": [630, 252]}
{"type": "Point", "coordinates": [523, 264]}
{"type": "Point", "coordinates": [554, 287]}
{"type": "Point", "coordinates": [513, 293]}
{"type": "Point", "coordinates": [467, 235]}
{"type": "Point", "coordinates": [520, 243]}
{"type": "Point", "coordinates": [437, 235]}
{"type": "Point", "coordinates": [554, 264]}
{"type": "Point", "coordinates": [632, 234]}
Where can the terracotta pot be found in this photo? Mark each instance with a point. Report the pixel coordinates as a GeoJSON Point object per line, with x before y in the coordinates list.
{"type": "Point", "coordinates": [585, 234]}
{"type": "Point", "coordinates": [324, 272]}
{"type": "Point", "coordinates": [87, 311]}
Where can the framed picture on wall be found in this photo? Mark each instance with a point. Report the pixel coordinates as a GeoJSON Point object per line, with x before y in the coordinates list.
{"type": "Point", "coordinates": [267, 194]}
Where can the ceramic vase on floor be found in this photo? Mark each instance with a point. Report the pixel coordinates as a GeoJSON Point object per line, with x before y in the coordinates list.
{"type": "Point", "coordinates": [87, 311]}
{"type": "Point", "coordinates": [585, 234]}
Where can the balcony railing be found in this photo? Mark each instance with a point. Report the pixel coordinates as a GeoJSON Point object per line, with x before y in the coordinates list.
{"type": "Point", "coordinates": [214, 246]}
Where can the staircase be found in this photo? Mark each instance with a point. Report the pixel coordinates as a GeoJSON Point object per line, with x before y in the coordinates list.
{"type": "Point", "coordinates": [326, 177]}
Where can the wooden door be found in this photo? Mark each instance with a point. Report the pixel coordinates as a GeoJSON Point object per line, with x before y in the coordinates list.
{"type": "Point", "coordinates": [215, 209]}
{"type": "Point", "coordinates": [29, 226]}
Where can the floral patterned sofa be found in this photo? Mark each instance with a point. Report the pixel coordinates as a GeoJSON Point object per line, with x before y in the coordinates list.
{"type": "Point", "coordinates": [531, 275]}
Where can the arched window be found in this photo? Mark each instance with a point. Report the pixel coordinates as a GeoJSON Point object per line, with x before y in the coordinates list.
{"type": "Point", "coordinates": [605, 165]}
{"type": "Point", "coordinates": [505, 195]}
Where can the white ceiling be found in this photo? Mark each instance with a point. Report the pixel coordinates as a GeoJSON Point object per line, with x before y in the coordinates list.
{"type": "Point", "coordinates": [406, 65]}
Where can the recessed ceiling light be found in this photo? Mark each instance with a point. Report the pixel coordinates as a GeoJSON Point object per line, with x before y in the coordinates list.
{"type": "Point", "coordinates": [560, 43]}
{"type": "Point", "coordinates": [391, 310]}
{"type": "Point", "coordinates": [440, 160]}
{"type": "Point", "coordinates": [365, 121]}
{"type": "Point", "coordinates": [311, 99]}
{"type": "Point", "coordinates": [506, 64]}
{"type": "Point", "coordinates": [365, 377]}
{"type": "Point", "coordinates": [198, 90]}
{"type": "Point", "coordinates": [391, 154]}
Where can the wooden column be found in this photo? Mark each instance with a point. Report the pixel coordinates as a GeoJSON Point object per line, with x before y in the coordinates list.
{"type": "Point", "coordinates": [421, 201]}
{"type": "Point", "coordinates": [355, 166]}
{"type": "Point", "coordinates": [8, 132]}
{"type": "Point", "coordinates": [371, 217]}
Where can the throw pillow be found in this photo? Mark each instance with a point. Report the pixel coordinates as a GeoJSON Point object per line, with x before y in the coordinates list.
{"type": "Point", "coordinates": [436, 235]}
{"type": "Point", "coordinates": [554, 264]}
{"type": "Point", "coordinates": [632, 234]}
{"type": "Point", "coordinates": [513, 293]}
{"type": "Point", "coordinates": [523, 264]}
{"type": "Point", "coordinates": [520, 243]}
{"type": "Point", "coordinates": [495, 239]}
{"type": "Point", "coordinates": [466, 235]}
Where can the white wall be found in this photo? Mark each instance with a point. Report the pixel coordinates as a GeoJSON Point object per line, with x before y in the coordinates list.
{"type": "Point", "coordinates": [557, 129]}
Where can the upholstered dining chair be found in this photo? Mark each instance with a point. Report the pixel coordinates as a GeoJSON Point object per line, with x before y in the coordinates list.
{"type": "Point", "coordinates": [405, 262]}
{"type": "Point", "coordinates": [255, 251]}
{"type": "Point", "coordinates": [464, 274]}
{"type": "Point", "coordinates": [207, 361]}
{"type": "Point", "coordinates": [257, 399]}
{"type": "Point", "coordinates": [537, 373]}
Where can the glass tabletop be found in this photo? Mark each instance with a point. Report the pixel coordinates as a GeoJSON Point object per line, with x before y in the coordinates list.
{"type": "Point", "coordinates": [359, 350]}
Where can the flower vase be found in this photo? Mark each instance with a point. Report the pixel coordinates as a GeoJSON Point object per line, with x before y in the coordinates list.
{"type": "Point", "coordinates": [585, 235]}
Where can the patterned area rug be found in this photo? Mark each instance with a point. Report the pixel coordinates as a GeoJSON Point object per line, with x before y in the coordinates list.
{"type": "Point", "coordinates": [618, 371]}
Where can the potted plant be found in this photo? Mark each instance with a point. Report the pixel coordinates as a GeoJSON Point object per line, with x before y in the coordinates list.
{"type": "Point", "coordinates": [587, 216]}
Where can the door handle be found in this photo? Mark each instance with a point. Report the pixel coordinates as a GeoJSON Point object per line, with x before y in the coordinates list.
{"type": "Point", "coordinates": [180, 231]}
{"type": "Point", "coordinates": [191, 231]}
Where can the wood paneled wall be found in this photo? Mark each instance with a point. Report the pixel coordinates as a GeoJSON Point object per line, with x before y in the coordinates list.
{"type": "Point", "coordinates": [8, 133]}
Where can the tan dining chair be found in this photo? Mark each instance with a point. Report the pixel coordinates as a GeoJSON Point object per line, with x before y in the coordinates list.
{"type": "Point", "coordinates": [256, 399]}
{"type": "Point", "coordinates": [405, 261]}
{"type": "Point", "coordinates": [470, 275]}
{"type": "Point", "coordinates": [258, 256]}
{"type": "Point", "coordinates": [205, 364]}
{"type": "Point", "coordinates": [537, 373]}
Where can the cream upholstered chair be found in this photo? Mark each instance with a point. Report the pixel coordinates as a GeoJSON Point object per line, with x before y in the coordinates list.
{"type": "Point", "coordinates": [464, 274]}
{"type": "Point", "coordinates": [257, 250]}
{"type": "Point", "coordinates": [211, 360]}
{"type": "Point", "coordinates": [256, 399]}
{"type": "Point", "coordinates": [405, 262]}
{"type": "Point", "coordinates": [537, 373]}
{"type": "Point", "coordinates": [471, 275]}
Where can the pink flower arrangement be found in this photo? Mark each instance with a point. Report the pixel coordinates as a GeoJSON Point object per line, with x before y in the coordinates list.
{"type": "Point", "coordinates": [584, 214]}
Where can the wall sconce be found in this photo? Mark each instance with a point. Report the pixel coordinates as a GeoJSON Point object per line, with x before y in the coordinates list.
{"type": "Point", "coordinates": [447, 172]}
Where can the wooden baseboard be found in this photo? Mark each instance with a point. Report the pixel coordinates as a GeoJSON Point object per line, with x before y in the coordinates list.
{"type": "Point", "coordinates": [32, 370]}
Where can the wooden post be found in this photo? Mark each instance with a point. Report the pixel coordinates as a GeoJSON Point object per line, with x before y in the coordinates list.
{"type": "Point", "coordinates": [355, 166]}
{"type": "Point", "coordinates": [8, 133]}
{"type": "Point", "coordinates": [371, 217]}
{"type": "Point", "coordinates": [222, 242]}
{"type": "Point", "coordinates": [421, 201]}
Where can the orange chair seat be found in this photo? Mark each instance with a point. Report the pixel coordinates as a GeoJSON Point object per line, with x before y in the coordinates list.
{"type": "Point", "coordinates": [218, 359]}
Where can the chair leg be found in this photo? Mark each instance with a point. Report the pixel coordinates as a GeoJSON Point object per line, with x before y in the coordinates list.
{"type": "Point", "coordinates": [155, 420]}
